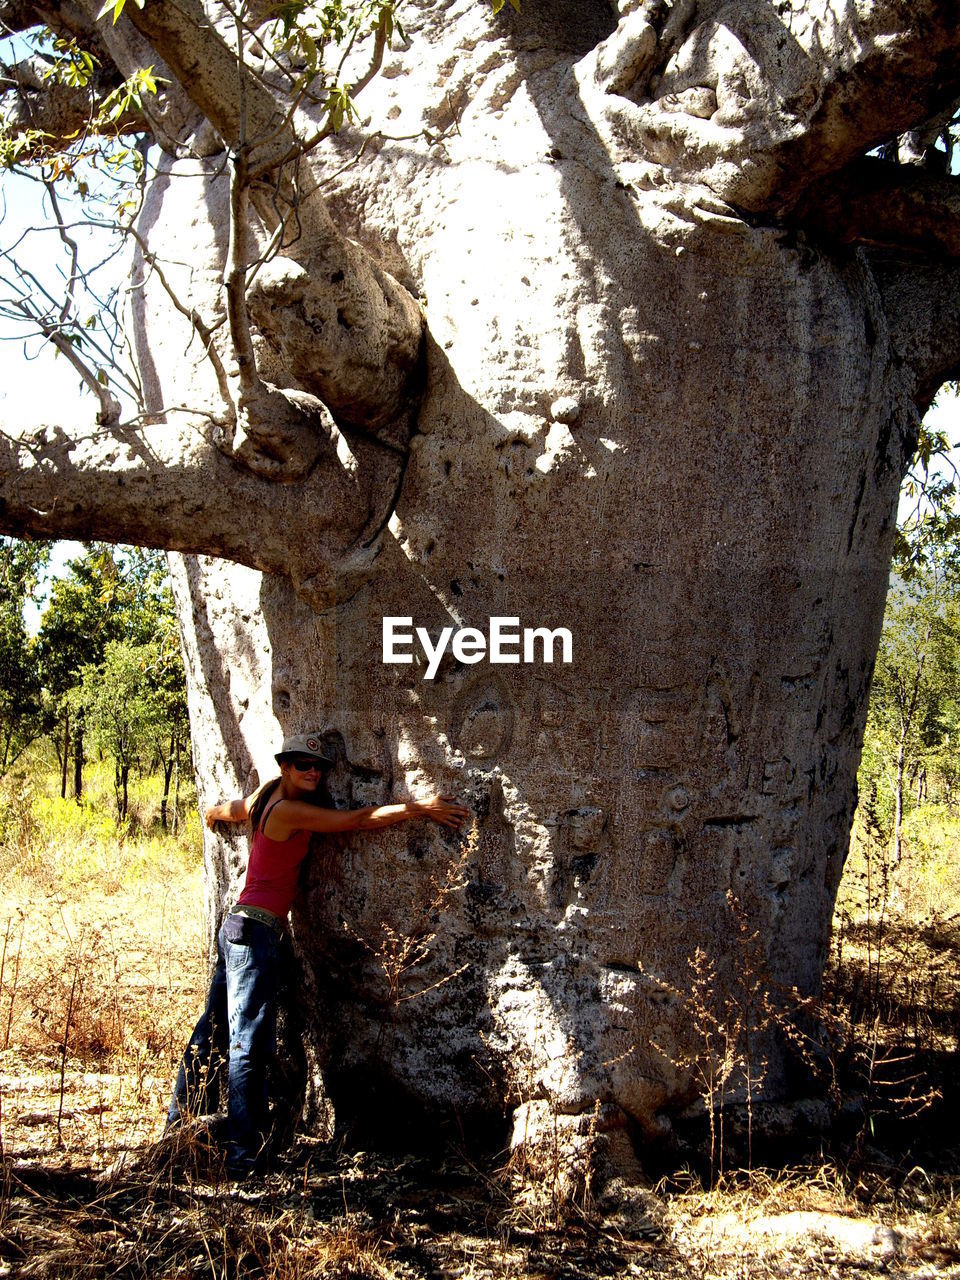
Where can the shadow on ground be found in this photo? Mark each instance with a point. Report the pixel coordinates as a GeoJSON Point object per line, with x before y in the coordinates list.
{"type": "Point", "coordinates": [168, 1210]}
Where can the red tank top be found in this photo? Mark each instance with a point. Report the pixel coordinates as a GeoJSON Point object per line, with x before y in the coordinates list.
{"type": "Point", "coordinates": [273, 871]}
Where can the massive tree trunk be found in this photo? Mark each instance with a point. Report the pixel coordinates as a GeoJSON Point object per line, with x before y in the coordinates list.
{"type": "Point", "coordinates": [662, 397]}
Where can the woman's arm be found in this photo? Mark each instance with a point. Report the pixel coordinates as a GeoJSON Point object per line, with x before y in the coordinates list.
{"type": "Point", "coordinates": [296, 815]}
{"type": "Point", "coordinates": [230, 810]}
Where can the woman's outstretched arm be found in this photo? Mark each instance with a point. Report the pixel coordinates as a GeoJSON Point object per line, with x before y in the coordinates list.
{"type": "Point", "coordinates": [297, 815]}
{"type": "Point", "coordinates": [230, 810]}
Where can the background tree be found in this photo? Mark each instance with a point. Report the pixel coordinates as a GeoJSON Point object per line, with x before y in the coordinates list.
{"type": "Point", "coordinates": [21, 710]}
{"type": "Point", "coordinates": [106, 596]}
{"type": "Point", "coordinates": [122, 710]}
{"type": "Point", "coordinates": [170, 719]}
{"type": "Point", "coordinates": [599, 320]}
{"type": "Point", "coordinates": [80, 619]}
{"type": "Point", "coordinates": [913, 701]}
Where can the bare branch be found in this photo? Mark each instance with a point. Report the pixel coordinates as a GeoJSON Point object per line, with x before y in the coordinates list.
{"type": "Point", "coordinates": [109, 404]}
{"type": "Point", "coordinates": [31, 301]}
{"type": "Point", "coordinates": [202, 330]}
{"type": "Point", "coordinates": [360, 353]}
{"type": "Point", "coordinates": [235, 279]}
{"type": "Point", "coordinates": [235, 270]}
{"type": "Point", "coordinates": [72, 246]}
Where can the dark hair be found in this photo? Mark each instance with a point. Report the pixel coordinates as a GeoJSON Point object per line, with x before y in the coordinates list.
{"type": "Point", "coordinates": [258, 806]}
{"type": "Point", "coordinates": [319, 796]}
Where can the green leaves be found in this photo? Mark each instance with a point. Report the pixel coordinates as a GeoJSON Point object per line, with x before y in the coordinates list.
{"type": "Point", "coordinates": [71, 65]}
{"type": "Point", "coordinates": [498, 5]}
{"type": "Point", "coordinates": [78, 74]}
{"type": "Point", "coordinates": [129, 94]}
{"type": "Point", "coordinates": [339, 107]}
{"type": "Point", "coordinates": [13, 146]}
{"type": "Point", "coordinates": [928, 533]}
{"type": "Point", "coordinates": [304, 35]}
{"type": "Point", "coordinates": [99, 141]}
{"type": "Point", "coordinates": [116, 6]}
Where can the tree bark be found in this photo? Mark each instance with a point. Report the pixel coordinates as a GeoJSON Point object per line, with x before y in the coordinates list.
{"type": "Point", "coordinates": [176, 786]}
{"type": "Point", "coordinates": [78, 761]}
{"type": "Point", "coordinates": [898, 803]}
{"type": "Point", "coordinates": [645, 409]}
{"type": "Point", "coordinates": [167, 762]}
{"type": "Point", "coordinates": [65, 759]}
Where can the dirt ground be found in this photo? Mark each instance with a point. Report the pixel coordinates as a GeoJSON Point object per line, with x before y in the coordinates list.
{"type": "Point", "coordinates": [98, 991]}
{"type": "Point", "coordinates": [114, 1199]}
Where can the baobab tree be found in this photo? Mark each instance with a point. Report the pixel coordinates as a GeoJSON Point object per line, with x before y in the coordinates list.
{"type": "Point", "coordinates": [618, 325]}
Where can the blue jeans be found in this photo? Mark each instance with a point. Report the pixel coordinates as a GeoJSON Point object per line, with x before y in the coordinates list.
{"type": "Point", "coordinates": [238, 1027]}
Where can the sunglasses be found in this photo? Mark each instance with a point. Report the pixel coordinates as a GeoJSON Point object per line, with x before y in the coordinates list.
{"type": "Point", "coordinates": [303, 764]}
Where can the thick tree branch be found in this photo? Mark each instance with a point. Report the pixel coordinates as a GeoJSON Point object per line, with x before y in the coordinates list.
{"type": "Point", "coordinates": [761, 100]}
{"type": "Point", "coordinates": [919, 146]}
{"type": "Point", "coordinates": [905, 69]}
{"type": "Point", "coordinates": [922, 303]}
{"type": "Point", "coordinates": [170, 486]}
{"type": "Point", "coordinates": [205, 66]}
{"type": "Point", "coordinates": [345, 329]}
{"type": "Point", "coordinates": [359, 347]}
{"type": "Point", "coordinates": [885, 205]}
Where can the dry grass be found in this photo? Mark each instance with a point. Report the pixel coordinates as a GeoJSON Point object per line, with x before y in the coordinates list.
{"type": "Point", "coordinates": [894, 977]}
{"type": "Point", "coordinates": [102, 971]}
{"type": "Point", "coordinates": [102, 964]}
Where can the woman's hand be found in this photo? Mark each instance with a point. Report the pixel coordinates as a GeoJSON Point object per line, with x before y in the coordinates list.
{"type": "Point", "coordinates": [445, 810]}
